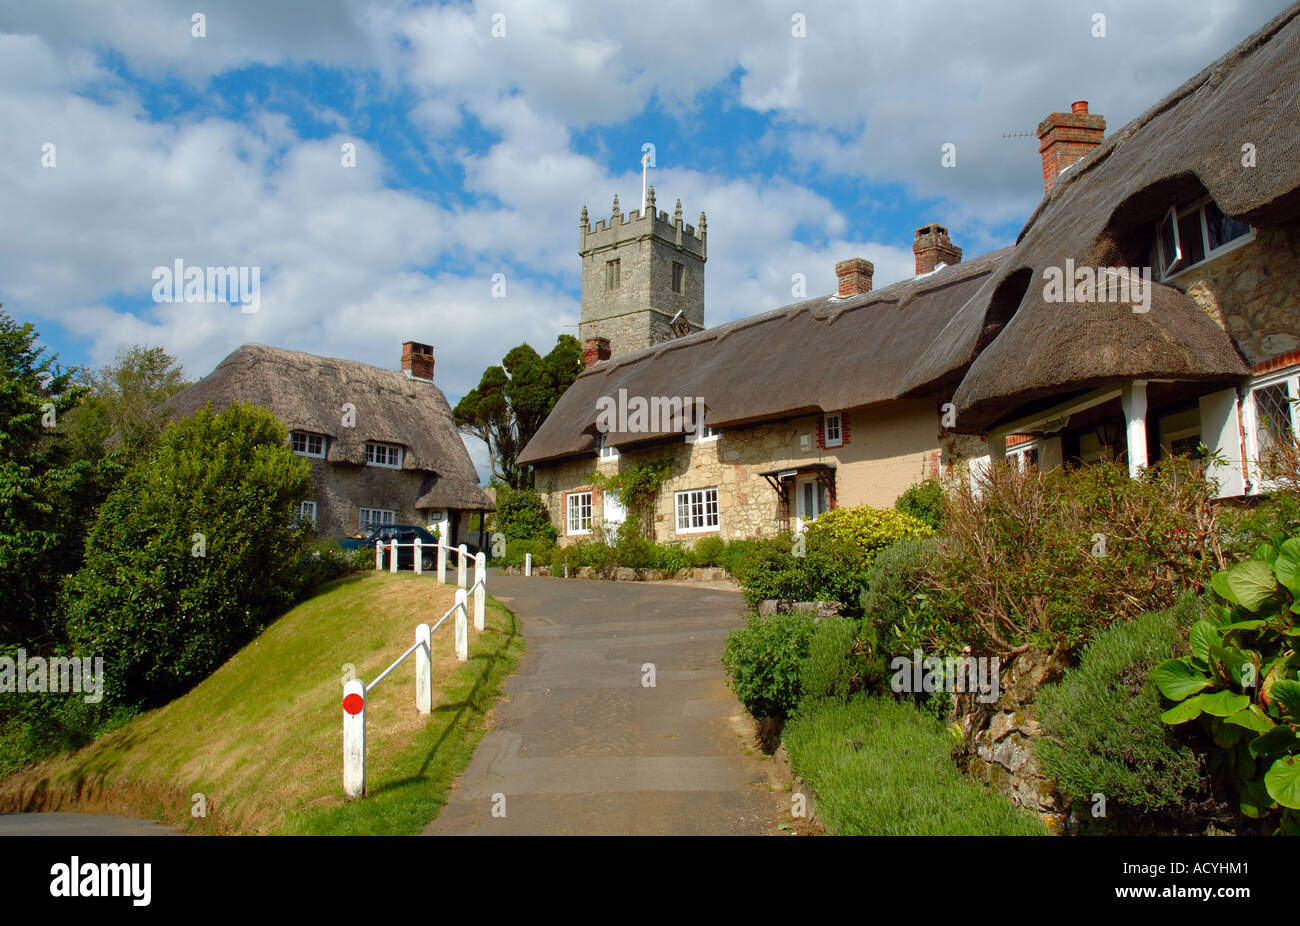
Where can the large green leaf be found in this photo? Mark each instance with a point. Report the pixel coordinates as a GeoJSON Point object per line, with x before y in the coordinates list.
{"type": "Point", "coordinates": [1283, 782]}
{"type": "Point", "coordinates": [1287, 565]}
{"type": "Point", "coordinates": [1223, 703]}
{"type": "Point", "coordinates": [1252, 718]}
{"type": "Point", "coordinates": [1276, 742]}
{"type": "Point", "coordinates": [1267, 552]}
{"type": "Point", "coordinates": [1201, 636]}
{"type": "Point", "coordinates": [1181, 713]}
{"type": "Point", "coordinates": [1232, 660]}
{"type": "Point", "coordinates": [1252, 624]}
{"type": "Point", "coordinates": [1251, 583]}
{"type": "Point", "coordinates": [1287, 692]}
{"type": "Point", "coordinates": [1219, 582]}
{"type": "Point", "coordinates": [1178, 679]}
{"type": "Point", "coordinates": [1254, 797]}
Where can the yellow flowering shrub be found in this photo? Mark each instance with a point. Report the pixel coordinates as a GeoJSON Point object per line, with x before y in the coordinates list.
{"type": "Point", "coordinates": [868, 529]}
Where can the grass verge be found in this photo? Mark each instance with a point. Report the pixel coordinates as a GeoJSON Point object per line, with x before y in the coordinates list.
{"type": "Point", "coordinates": [261, 738]}
{"type": "Point", "coordinates": [882, 768]}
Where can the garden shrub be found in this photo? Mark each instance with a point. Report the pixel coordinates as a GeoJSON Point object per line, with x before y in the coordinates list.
{"type": "Point", "coordinates": [324, 561]}
{"type": "Point", "coordinates": [880, 767]}
{"type": "Point", "coordinates": [517, 550]}
{"type": "Point", "coordinates": [1102, 720]}
{"type": "Point", "coordinates": [1021, 560]}
{"type": "Point", "coordinates": [522, 515]}
{"type": "Point", "coordinates": [842, 661]}
{"type": "Point", "coordinates": [923, 501]}
{"type": "Point", "coordinates": [163, 606]}
{"type": "Point", "coordinates": [1240, 683]}
{"type": "Point", "coordinates": [671, 557]}
{"type": "Point", "coordinates": [828, 570]}
{"type": "Point", "coordinates": [764, 659]}
{"type": "Point", "coordinates": [708, 551]}
{"type": "Point", "coordinates": [893, 602]}
{"type": "Point", "coordinates": [867, 530]}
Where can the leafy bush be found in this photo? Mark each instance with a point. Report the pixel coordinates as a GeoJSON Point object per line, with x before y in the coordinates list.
{"type": "Point", "coordinates": [1050, 558]}
{"type": "Point", "coordinates": [894, 602]}
{"type": "Point", "coordinates": [879, 767]}
{"type": "Point", "coordinates": [867, 530]}
{"type": "Point", "coordinates": [708, 551]}
{"type": "Point", "coordinates": [634, 551]}
{"type": "Point", "coordinates": [672, 557]}
{"type": "Point", "coordinates": [924, 502]}
{"type": "Point", "coordinates": [521, 515]}
{"type": "Point", "coordinates": [1241, 682]}
{"type": "Point", "coordinates": [323, 561]}
{"type": "Point", "coordinates": [1102, 720]}
{"type": "Point", "coordinates": [517, 550]}
{"type": "Point", "coordinates": [764, 660]}
{"type": "Point", "coordinates": [735, 554]}
{"type": "Point", "coordinates": [842, 660]}
{"type": "Point", "coordinates": [164, 606]}
{"type": "Point", "coordinates": [812, 567]}
{"type": "Point", "coordinates": [37, 726]}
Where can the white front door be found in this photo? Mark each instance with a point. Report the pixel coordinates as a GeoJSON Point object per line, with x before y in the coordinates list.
{"type": "Point", "coordinates": [615, 512]}
{"type": "Point", "coordinates": [810, 501]}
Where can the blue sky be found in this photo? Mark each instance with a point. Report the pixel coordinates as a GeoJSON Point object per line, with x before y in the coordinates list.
{"type": "Point", "coordinates": [476, 151]}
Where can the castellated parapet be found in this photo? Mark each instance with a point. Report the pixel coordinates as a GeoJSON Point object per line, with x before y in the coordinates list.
{"type": "Point", "coordinates": [642, 276]}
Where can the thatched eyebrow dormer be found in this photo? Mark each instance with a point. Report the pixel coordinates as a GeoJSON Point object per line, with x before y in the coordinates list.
{"type": "Point", "coordinates": [351, 404]}
{"type": "Point", "coordinates": [1104, 213]}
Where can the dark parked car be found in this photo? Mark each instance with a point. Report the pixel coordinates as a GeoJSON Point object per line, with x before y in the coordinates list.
{"type": "Point", "coordinates": [404, 534]}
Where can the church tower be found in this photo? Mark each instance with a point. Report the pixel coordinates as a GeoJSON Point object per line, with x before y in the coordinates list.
{"type": "Point", "coordinates": [642, 277]}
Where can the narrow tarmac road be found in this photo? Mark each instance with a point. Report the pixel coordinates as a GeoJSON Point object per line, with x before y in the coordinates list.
{"type": "Point", "coordinates": [580, 746]}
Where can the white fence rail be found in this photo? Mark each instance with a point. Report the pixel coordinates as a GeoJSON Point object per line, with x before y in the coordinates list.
{"type": "Point", "coordinates": [356, 693]}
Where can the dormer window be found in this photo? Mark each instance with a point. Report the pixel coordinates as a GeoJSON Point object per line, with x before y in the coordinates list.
{"type": "Point", "coordinates": [607, 452]}
{"type": "Point", "coordinates": [388, 455]}
{"type": "Point", "coordinates": [1192, 235]}
{"type": "Point", "coordinates": [703, 435]}
{"type": "Point", "coordinates": [307, 444]}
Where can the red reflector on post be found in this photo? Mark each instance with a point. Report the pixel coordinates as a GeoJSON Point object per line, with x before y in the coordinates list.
{"type": "Point", "coordinates": [353, 703]}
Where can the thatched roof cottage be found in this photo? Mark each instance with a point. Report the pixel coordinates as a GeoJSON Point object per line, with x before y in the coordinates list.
{"type": "Point", "coordinates": [1151, 303]}
{"type": "Point", "coordinates": [382, 443]}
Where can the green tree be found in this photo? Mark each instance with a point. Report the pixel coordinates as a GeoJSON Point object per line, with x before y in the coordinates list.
{"type": "Point", "coordinates": [513, 399]}
{"type": "Point", "coordinates": [45, 489]}
{"type": "Point", "coordinates": [191, 555]}
{"type": "Point", "coordinates": [121, 407]}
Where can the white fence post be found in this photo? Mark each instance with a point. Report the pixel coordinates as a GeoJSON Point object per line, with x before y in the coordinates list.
{"type": "Point", "coordinates": [423, 670]}
{"type": "Point", "coordinates": [442, 562]}
{"type": "Point", "coordinates": [528, 564]}
{"type": "Point", "coordinates": [417, 563]}
{"type": "Point", "coordinates": [480, 583]}
{"type": "Point", "coordinates": [392, 555]}
{"type": "Point", "coordinates": [354, 738]}
{"type": "Point", "coordinates": [462, 626]}
{"type": "Point", "coordinates": [379, 555]}
{"type": "Point", "coordinates": [461, 565]}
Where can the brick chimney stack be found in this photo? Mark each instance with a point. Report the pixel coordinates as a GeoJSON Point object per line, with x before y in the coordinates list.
{"type": "Point", "coordinates": [417, 360]}
{"type": "Point", "coordinates": [855, 276]}
{"type": "Point", "coordinates": [594, 350]}
{"type": "Point", "coordinates": [1067, 137]}
{"type": "Point", "coordinates": [932, 248]}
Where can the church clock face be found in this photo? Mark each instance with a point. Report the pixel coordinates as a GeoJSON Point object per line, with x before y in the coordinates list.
{"type": "Point", "coordinates": [681, 328]}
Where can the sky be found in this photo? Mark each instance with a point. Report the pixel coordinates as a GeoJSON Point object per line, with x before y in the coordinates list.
{"type": "Point", "coordinates": [380, 163]}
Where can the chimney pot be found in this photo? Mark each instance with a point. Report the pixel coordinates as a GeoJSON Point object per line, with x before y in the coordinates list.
{"type": "Point", "coordinates": [595, 350]}
{"type": "Point", "coordinates": [1079, 106]}
{"type": "Point", "coordinates": [854, 276]}
{"type": "Point", "coordinates": [417, 360]}
{"type": "Point", "coordinates": [932, 247]}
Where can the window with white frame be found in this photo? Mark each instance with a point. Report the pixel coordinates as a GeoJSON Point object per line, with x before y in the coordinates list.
{"type": "Point", "coordinates": [307, 513]}
{"type": "Point", "coordinates": [607, 452]}
{"type": "Point", "coordinates": [697, 510]}
{"type": "Point", "coordinates": [1023, 456]}
{"type": "Point", "coordinates": [579, 512]}
{"type": "Point", "coordinates": [1194, 234]}
{"type": "Point", "coordinates": [389, 455]}
{"type": "Point", "coordinates": [1270, 413]}
{"type": "Point", "coordinates": [833, 433]}
{"type": "Point", "coordinates": [307, 443]}
{"type": "Point", "coordinates": [377, 517]}
{"type": "Point", "coordinates": [703, 435]}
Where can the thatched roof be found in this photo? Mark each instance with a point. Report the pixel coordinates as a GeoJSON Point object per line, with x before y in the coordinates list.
{"type": "Point", "coordinates": [308, 393]}
{"type": "Point", "coordinates": [821, 354]}
{"type": "Point", "coordinates": [1103, 212]}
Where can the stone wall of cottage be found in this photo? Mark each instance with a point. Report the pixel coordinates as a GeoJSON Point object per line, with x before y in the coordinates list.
{"type": "Point", "coordinates": [340, 491]}
{"type": "Point", "coordinates": [1254, 292]}
{"type": "Point", "coordinates": [886, 450]}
